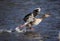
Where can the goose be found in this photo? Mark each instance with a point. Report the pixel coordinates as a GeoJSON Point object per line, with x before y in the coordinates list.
{"type": "Point", "coordinates": [31, 20]}
{"type": "Point", "coordinates": [33, 24]}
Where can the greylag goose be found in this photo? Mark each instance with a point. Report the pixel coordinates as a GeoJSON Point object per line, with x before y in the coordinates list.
{"type": "Point", "coordinates": [31, 20]}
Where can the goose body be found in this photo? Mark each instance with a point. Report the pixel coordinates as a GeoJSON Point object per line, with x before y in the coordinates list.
{"type": "Point", "coordinates": [31, 20]}
{"type": "Point", "coordinates": [37, 21]}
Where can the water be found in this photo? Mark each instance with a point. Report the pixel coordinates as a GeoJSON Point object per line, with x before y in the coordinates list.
{"type": "Point", "coordinates": [13, 11]}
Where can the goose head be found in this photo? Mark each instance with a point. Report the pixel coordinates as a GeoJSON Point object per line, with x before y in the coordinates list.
{"type": "Point", "coordinates": [47, 15]}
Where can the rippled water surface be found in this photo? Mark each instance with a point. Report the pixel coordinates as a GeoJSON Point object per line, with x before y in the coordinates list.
{"type": "Point", "coordinates": [13, 11]}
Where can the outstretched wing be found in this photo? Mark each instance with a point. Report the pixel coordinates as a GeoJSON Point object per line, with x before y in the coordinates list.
{"type": "Point", "coordinates": [26, 17]}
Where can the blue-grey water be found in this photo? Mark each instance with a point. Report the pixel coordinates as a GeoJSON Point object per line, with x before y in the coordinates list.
{"type": "Point", "coordinates": [13, 11]}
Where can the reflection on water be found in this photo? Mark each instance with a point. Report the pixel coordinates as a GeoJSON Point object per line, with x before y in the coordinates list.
{"type": "Point", "coordinates": [13, 11]}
